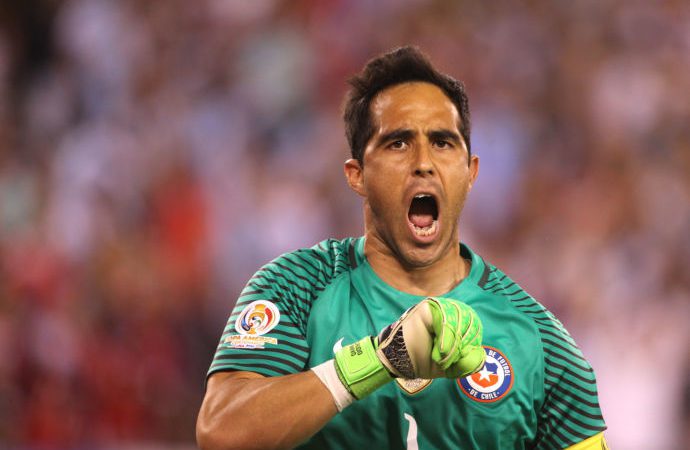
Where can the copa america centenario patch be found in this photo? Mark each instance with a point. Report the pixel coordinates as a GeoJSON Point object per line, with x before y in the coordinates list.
{"type": "Point", "coordinates": [255, 320]}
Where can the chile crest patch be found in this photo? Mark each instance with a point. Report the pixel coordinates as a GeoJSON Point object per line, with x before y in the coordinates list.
{"type": "Point", "coordinates": [493, 381]}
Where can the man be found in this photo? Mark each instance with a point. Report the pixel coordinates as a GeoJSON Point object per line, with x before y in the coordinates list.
{"type": "Point", "coordinates": [465, 359]}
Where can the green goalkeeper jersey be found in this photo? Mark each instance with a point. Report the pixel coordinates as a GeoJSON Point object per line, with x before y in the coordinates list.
{"type": "Point", "coordinates": [535, 390]}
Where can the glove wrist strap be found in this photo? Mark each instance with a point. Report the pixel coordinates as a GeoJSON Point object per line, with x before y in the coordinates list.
{"type": "Point", "coordinates": [359, 369]}
{"type": "Point", "coordinates": [328, 375]}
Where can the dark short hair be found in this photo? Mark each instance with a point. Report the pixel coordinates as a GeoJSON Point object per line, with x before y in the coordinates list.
{"type": "Point", "coordinates": [403, 65]}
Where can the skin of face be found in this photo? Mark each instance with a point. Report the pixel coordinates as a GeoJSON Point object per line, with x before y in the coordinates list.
{"type": "Point", "coordinates": [416, 148]}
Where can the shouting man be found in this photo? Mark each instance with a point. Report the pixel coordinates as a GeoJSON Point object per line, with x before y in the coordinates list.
{"type": "Point", "coordinates": [405, 337]}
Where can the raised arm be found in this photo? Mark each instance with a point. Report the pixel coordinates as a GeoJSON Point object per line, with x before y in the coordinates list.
{"type": "Point", "coordinates": [245, 410]}
{"type": "Point", "coordinates": [436, 338]}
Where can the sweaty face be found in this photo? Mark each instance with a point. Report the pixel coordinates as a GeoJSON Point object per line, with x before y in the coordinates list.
{"type": "Point", "coordinates": [416, 174]}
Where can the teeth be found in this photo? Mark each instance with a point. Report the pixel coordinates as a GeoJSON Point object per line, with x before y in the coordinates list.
{"type": "Point", "coordinates": [422, 196]}
{"type": "Point", "coordinates": [426, 231]}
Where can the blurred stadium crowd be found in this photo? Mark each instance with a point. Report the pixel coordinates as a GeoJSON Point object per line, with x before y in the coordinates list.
{"type": "Point", "coordinates": [154, 154]}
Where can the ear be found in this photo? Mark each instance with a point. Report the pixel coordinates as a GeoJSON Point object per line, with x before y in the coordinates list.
{"type": "Point", "coordinates": [474, 169]}
{"type": "Point", "coordinates": [354, 176]}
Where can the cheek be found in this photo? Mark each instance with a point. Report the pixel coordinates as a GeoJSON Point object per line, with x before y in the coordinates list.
{"type": "Point", "coordinates": [381, 195]}
{"type": "Point", "coordinates": [457, 187]}
{"type": "Point", "coordinates": [380, 178]}
{"type": "Point", "coordinates": [383, 192]}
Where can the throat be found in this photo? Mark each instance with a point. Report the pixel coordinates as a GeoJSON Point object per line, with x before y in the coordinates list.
{"type": "Point", "coordinates": [435, 279]}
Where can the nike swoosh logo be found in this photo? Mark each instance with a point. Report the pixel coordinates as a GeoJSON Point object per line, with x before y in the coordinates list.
{"type": "Point", "coordinates": [338, 345]}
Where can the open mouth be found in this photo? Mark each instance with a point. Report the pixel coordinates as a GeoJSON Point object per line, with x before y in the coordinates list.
{"type": "Point", "coordinates": [423, 215]}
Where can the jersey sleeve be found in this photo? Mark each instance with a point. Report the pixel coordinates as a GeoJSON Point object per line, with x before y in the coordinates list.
{"type": "Point", "coordinates": [266, 331]}
{"type": "Point", "coordinates": [570, 413]}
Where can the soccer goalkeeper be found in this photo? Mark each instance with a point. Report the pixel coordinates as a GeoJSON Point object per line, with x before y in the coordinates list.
{"type": "Point", "coordinates": [404, 337]}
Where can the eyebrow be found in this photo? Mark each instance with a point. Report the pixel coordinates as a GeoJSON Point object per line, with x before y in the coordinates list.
{"type": "Point", "coordinates": [402, 134]}
{"type": "Point", "coordinates": [446, 135]}
{"type": "Point", "coordinates": [407, 134]}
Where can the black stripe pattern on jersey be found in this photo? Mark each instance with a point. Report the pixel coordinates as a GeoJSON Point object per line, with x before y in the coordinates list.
{"type": "Point", "coordinates": [570, 412]}
{"type": "Point", "coordinates": [351, 254]}
{"type": "Point", "coordinates": [486, 273]}
{"type": "Point", "coordinates": [291, 282]}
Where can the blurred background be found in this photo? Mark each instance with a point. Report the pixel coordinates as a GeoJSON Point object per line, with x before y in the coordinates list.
{"type": "Point", "coordinates": [154, 154]}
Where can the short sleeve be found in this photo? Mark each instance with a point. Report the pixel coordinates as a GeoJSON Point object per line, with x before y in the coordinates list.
{"type": "Point", "coordinates": [570, 413]}
{"type": "Point", "coordinates": [266, 331]}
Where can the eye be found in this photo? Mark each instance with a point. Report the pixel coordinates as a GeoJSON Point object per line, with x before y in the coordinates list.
{"type": "Point", "coordinates": [443, 144]}
{"type": "Point", "coordinates": [398, 145]}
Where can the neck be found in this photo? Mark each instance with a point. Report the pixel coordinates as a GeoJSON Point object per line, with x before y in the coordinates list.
{"type": "Point", "coordinates": [434, 279]}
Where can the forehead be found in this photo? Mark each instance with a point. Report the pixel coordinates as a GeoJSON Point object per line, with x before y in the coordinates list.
{"type": "Point", "coordinates": [413, 105]}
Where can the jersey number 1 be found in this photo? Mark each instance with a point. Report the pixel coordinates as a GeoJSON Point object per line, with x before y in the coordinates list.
{"type": "Point", "coordinates": [411, 433]}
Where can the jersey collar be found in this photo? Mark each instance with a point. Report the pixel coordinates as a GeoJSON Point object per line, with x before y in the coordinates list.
{"type": "Point", "coordinates": [358, 262]}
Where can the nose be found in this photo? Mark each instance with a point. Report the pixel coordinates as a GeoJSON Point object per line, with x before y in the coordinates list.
{"type": "Point", "coordinates": [423, 164]}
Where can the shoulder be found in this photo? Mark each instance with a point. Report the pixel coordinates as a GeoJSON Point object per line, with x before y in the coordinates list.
{"type": "Point", "coordinates": [496, 282]}
{"type": "Point", "coordinates": [303, 272]}
{"type": "Point", "coordinates": [570, 409]}
{"type": "Point", "coordinates": [321, 262]}
{"type": "Point", "coordinates": [292, 281]}
{"type": "Point", "coordinates": [564, 362]}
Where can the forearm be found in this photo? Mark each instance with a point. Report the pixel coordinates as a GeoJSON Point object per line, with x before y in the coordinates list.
{"type": "Point", "coordinates": [262, 413]}
{"type": "Point", "coordinates": [436, 338]}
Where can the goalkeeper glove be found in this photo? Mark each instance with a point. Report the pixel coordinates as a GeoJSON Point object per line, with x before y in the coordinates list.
{"type": "Point", "coordinates": [436, 338]}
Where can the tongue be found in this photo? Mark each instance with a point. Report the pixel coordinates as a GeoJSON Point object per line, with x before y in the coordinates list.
{"type": "Point", "coordinates": [421, 220]}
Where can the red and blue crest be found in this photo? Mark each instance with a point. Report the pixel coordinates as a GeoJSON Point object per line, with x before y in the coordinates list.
{"type": "Point", "coordinates": [493, 381]}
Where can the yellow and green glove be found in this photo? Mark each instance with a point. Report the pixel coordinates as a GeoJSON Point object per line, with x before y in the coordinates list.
{"type": "Point", "coordinates": [436, 338]}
